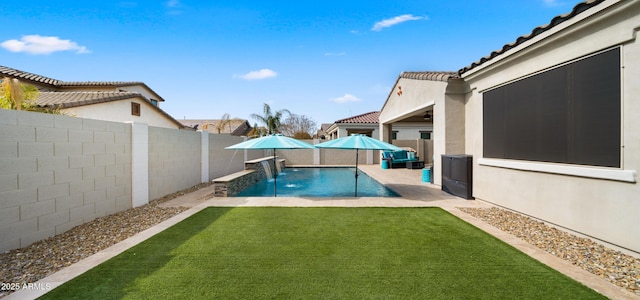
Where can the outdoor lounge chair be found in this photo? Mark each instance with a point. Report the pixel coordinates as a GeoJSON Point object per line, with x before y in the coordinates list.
{"type": "Point", "coordinates": [399, 159]}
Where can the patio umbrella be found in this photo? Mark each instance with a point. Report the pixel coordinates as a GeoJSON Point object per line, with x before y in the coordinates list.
{"type": "Point", "coordinates": [273, 141]}
{"type": "Point", "coordinates": [358, 141]}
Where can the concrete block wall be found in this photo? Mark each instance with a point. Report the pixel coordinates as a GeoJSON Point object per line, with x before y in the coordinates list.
{"type": "Point", "coordinates": [342, 157]}
{"type": "Point", "coordinates": [224, 162]}
{"type": "Point", "coordinates": [57, 172]}
{"type": "Point", "coordinates": [174, 160]}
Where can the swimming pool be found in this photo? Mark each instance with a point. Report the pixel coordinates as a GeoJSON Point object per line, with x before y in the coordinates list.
{"type": "Point", "coordinates": [319, 182]}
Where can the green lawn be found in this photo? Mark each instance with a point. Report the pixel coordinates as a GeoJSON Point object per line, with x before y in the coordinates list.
{"type": "Point", "coordinates": [323, 253]}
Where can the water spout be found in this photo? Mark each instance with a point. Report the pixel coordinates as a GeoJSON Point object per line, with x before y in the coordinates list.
{"type": "Point", "coordinates": [278, 167]}
{"type": "Point", "coordinates": [267, 168]}
{"type": "Point", "coordinates": [231, 161]}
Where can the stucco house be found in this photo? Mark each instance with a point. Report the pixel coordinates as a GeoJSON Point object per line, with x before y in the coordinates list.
{"type": "Point", "coordinates": [366, 124]}
{"type": "Point", "coordinates": [551, 120]}
{"type": "Point", "coordinates": [116, 101]}
{"type": "Point", "coordinates": [415, 127]}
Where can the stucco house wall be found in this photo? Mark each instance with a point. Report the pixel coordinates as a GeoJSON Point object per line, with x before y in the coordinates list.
{"type": "Point", "coordinates": [120, 111]}
{"type": "Point", "coordinates": [445, 97]}
{"type": "Point", "coordinates": [600, 202]}
{"type": "Point", "coordinates": [411, 131]}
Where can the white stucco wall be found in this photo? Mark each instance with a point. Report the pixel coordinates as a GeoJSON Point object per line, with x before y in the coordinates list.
{"type": "Point", "coordinates": [143, 91]}
{"type": "Point", "coordinates": [120, 111]}
{"type": "Point", "coordinates": [417, 96]}
{"type": "Point", "coordinates": [411, 131]}
{"type": "Point", "coordinates": [603, 208]}
{"type": "Point", "coordinates": [446, 99]}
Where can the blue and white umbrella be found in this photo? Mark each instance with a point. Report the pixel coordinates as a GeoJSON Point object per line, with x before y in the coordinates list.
{"type": "Point", "coordinates": [358, 142]}
{"type": "Point", "coordinates": [273, 141]}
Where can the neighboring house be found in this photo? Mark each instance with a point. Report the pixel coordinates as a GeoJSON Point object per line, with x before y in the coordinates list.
{"type": "Point", "coordinates": [237, 127]}
{"type": "Point", "coordinates": [110, 101]}
{"type": "Point", "coordinates": [322, 132]}
{"type": "Point", "coordinates": [552, 121]}
{"type": "Point", "coordinates": [411, 128]}
{"type": "Point", "coordinates": [366, 124]}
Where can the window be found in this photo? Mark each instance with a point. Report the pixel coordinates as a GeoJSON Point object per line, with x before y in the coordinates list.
{"type": "Point", "coordinates": [570, 114]}
{"type": "Point", "coordinates": [425, 135]}
{"type": "Point", "coordinates": [394, 135]}
{"type": "Point", "coordinates": [135, 109]}
{"type": "Point", "coordinates": [154, 102]}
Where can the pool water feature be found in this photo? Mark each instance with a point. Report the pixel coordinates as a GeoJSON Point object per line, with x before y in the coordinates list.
{"type": "Point", "coordinates": [319, 182]}
{"type": "Point", "coordinates": [267, 169]}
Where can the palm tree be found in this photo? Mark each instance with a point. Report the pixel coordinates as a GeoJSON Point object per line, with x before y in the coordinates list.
{"type": "Point", "coordinates": [224, 121]}
{"type": "Point", "coordinates": [272, 121]}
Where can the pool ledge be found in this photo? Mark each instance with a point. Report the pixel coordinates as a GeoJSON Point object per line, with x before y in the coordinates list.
{"type": "Point", "coordinates": [231, 184]}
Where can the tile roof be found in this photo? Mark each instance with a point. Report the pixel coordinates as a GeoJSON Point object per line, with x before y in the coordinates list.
{"type": "Point", "coordinates": [579, 8]}
{"type": "Point", "coordinates": [74, 98]}
{"type": "Point", "coordinates": [15, 73]}
{"type": "Point", "coordinates": [243, 129]}
{"type": "Point", "coordinates": [366, 118]}
{"type": "Point", "coordinates": [99, 83]}
{"type": "Point", "coordinates": [6, 71]}
{"type": "Point", "coordinates": [325, 126]}
{"type": "Point", "coordinates": [81, 98]}
{"type": "Point", "coordinates": [432, 76]}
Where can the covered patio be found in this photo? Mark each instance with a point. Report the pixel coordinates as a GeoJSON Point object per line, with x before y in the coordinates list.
{"type": "Point", "coordinates": [432, 102]}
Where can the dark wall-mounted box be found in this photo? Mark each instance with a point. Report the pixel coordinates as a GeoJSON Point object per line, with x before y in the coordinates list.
{"type": "Point", "coordinates": [457, 175]}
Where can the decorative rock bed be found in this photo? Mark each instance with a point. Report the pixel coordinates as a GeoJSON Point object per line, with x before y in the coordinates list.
{"type": "Point", "coordinates": [43, 258]}
{"type": "Point", "coordinates": [618, 268]}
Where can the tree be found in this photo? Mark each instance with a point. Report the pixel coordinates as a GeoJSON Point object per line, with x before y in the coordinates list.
{"type": "Point", "coordinates": [255, 131]}
{"type": "Point", "coordinates": [18, 96]}
{"type": "Point", "coordinates": [299, 126]}
{"type": "Point", "coordinates": [272, 121]}
{"type": "Point", "coordinates": [224, 121]}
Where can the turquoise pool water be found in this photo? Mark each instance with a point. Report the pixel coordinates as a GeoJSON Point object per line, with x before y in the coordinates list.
{"type": "Point", "coordinates": [319, 182]}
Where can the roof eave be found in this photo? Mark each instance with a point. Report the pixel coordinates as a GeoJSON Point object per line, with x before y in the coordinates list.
{"type": "Point", "coordinates": [525, 40]}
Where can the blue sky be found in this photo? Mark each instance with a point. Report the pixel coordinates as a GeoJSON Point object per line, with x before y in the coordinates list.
{"type": "Point", "coordinates": [326, 59]}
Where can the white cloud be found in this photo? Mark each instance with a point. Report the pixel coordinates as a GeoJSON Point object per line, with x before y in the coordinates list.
{"type": "Point", "coordinates": [256, 75]}
{"type": "Point", "coordinates": [346, 98]}
{"type": "Point", "coordinates": [174, 7]}
{"type": "Point", "coordinates": [552, 3]}
{"type": "Point", "coordinates": [37, 44]}
{"type": "Point", "coordinates": [395, 21]}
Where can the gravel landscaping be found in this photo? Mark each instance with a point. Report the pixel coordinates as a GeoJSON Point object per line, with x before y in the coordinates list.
{"type": "Point", "coordinates": [43, 258]}
{"type": "Point", "coordinates": [32, 263]}
{"type": "Point", "coordinates": [618, 268]}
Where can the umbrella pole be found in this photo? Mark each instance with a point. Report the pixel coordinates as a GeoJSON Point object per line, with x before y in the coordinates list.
{"type": "Point", "coordinates": [356, 195]}
{"type": "Point", "coordinates": [275, 173]}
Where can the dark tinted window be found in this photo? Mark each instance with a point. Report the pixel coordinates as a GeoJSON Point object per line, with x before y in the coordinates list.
{"type": "Point", "coordinates": [570, 114]}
